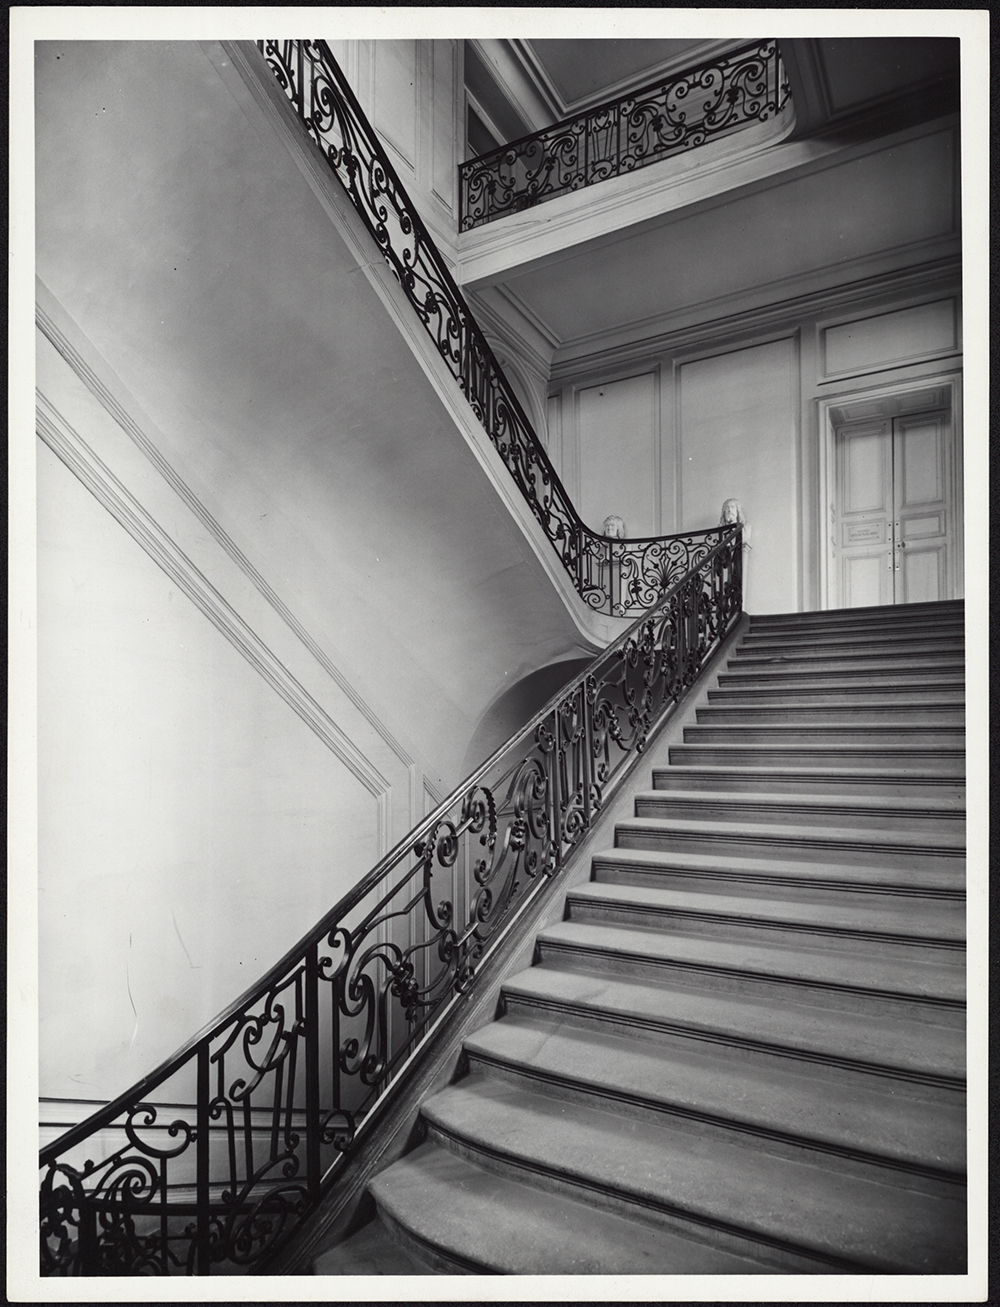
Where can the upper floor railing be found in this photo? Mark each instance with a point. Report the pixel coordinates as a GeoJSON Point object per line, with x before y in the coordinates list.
{"type": "Point", "coordinates": [665, 118]}
{"type": "Point", "coordinates": [619, 577]}
{"type": "Point", "coordinates": [211, 1163]}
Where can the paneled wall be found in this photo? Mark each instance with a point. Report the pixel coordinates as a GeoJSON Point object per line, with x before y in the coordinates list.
{"type": "Point", "coordinates": [413, 94]}
{"type": "Point", "coordinates": [661, 434]}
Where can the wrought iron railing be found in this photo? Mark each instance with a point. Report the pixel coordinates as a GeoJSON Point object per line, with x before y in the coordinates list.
{"type": "Point", "coordinates": [665, 118]}
{"type": "Point", "coordinates": [620, 577]}
{"type": "Point", "coordinates": [210, 1163]}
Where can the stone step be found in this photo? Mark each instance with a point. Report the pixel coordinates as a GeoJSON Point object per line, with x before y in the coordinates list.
{"type": "Point", "coordinates": [853, 698]}
{"type": "Point", "coordinates": [933, 676]}
{"type": "Point", "coordinates": [849, 1046]}
{"type": "Point", "coordinates": [922, 931]}
{"type": "Point", "coordinates": [465, 1219]}
{"type": "Point", "coordinates": [922, 617]}
{"type": "Point", "coordinates": [782, 1108]}
{"type": "Point", "coordinates": [801, 1216]}
{"type": "Point", "coordinates": [799, 842]}
{"type": "Point", "coordinates": [372, 1250]}
{"type": "Point", "coordinates": [811, 780]}
{"type": "Point", "coordinates": [866, 978]}
{"type": "Point", "coordinates": [925, 816]}
{"type": "Point", "coordinates": [945, 761]}
{"type": "Point", "coordinates": [819, 665]}
{"type": "Point", "coordinates": [917, 713]}
{"type": "Point", "coordinates": [857, 733]}
{"type": "Point", "coordinates": [816, 881]}
{"type": "Point", "coordinates": [910, 641]}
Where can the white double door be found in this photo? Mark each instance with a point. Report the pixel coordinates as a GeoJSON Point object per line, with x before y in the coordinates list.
{"type": "Point", "coordinates": [895, 511]}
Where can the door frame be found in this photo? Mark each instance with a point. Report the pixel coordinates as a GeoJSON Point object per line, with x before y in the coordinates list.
{"type": "Point", "coordinates": [949, 381]}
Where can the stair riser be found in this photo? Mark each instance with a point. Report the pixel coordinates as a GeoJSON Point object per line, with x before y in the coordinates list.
{"type": "Point", "coordinates": [764, 988]}
{"type": "Point", "coordinates": [692, 1225]}
{"type": "Point", "coordinates": [786, 733]}
{"type": "Point", "coordinates": [940, 884]}
{"type": "Point", "coordinates": [679, 1116]}
{"type": "Point", "coordinates": [678, 779]}
{"type": "Point", "coordinates": [952, 639]}
{"type": "Point", "coordinates": [818, 666]}
{"type": "Point", "coordinates": [835, 1064]}
{"type": "Point", "coordinates": [677, 806]}
{"type": "Point", "coordinates": [814, 849]}
{"type": "Point", "coordinates": [768, 698]}
{"type": "Point", "coordinates": [800, 715]}
{"type": "Point", "coordinates": [750, 932]}
{"type": "Point", "coordinates": [779, 679]}
{"type": "Point", "coordinates": [943, 761]}
{"type": "Point", "coordinates": [882, 617]}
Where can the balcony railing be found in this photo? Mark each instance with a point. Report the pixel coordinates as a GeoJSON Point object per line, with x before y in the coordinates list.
{"type": "Point", "coordinates": [212, 1162]}
{"type": "Point", "coordinates": [665, 118]}
{"type": "Point", "coordinates": [619, 577]}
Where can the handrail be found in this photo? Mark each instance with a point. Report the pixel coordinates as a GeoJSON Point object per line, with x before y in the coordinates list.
{"type": "Point", "coordinates": [665, 117]}
{"type": "Point", "coordinates": [619, 577]}
{"type": "Point", "coordinates": [284, 1084]}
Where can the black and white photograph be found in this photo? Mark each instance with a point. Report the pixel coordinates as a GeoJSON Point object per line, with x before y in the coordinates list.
{"type": "Point", "coordinates": [498, 570]}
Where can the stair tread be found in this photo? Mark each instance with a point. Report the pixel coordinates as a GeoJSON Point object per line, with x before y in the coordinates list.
{"type": "Point", "coordinates": [494, 1223]}
{"type": "Point", "coordinates": [951, 806]}
{"type": "Point", "coordinates": [948, 841]}
{"type": "Point", "coordinates": [848, 875]}
{"type": "Point", "coordinates": [917, 1048]}
{"type": "Point", "coordinates": [871, 1222]}
{"type": "Point", "coordinates": [863, 968]}
{"type": "Point", "coordinates": [942, 921]}
{"type": "Point", "coordinates": [759, 1097]}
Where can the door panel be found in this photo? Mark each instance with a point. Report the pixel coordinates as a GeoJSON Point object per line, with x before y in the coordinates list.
{"type": "Point", "coordinates": [894, 511]}
{"type": "Point", "coordinates": [864, 544]}
{"type": "Point", "coordinates": [923, 507]}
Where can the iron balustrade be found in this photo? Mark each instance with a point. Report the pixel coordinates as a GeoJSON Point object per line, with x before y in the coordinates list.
{"type": "Point", "coordinates": [211, 1163]}
{"type": "Point", "coordinates": [619, 577]}
{"type": "Point", "coordinates": [665, 118]}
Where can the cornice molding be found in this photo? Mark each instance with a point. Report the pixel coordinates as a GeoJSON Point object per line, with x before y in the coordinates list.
{"type": "Point", "coordinates": [680, 63]}
{"type": "Point", "coordinates": [94, 474]}
{"type": "Point", "coordinates": [716, 321]}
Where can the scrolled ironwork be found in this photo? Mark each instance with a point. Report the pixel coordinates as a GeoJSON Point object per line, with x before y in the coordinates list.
{"type": "Point", "coordinates": [667, 117]}
{"type": "Point", "coordinates": [212, 1161]}
{"type": "Point", "coordinates": [618, 577]}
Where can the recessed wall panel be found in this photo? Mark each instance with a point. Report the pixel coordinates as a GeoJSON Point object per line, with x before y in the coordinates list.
{"type": "Point", "coordinates": [618, 454]}
{"type": "Point", "coordinates": [923, 331]}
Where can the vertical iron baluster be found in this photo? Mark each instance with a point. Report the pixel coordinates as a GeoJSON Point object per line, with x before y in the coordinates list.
{"type": "Point", "coordinates": [587, 744]}
{"type": "Point", "coordinates": [203, 1163]}
{"type": "Point", "coordinates": [311, 1036]}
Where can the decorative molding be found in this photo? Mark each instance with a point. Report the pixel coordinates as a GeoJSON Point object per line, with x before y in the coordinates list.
{"type": "Point", "coordinates": [71, 448]}
{"type": "Point", "coordinates": [716, 320]}
{"type": "Point", "coordinates": [123, 409]}
{"type": "Point", "coordinates": [677, 64]}
{"type": "Point", "coordinates": [879, 364]}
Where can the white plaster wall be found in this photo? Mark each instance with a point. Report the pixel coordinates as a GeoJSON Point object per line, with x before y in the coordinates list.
{"type": "Point", "coordinates": [191, 826]}
{"type": "Point", "coordinates": [220, 765]}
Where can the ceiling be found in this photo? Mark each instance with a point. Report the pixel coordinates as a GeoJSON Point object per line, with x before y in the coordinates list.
{"type": "Point", "coordinates": [582, 70]}
{"type": "Point", "coordinates": [627, 282]}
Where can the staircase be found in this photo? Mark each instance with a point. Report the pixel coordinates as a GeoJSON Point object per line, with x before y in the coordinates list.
{"type": "Point", "coordinates": [742, 1051]}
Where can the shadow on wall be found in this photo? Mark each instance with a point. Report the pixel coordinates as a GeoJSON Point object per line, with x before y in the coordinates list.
{"type": "Point", "coordinates": [516, 706]}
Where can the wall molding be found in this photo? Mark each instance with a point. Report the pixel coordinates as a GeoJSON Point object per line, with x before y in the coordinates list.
{"type": "Point", "coordinates": [94, 474]}
{"type": "Point", "coordinates": [717, 321]}
{"type": "Point", "coordinates": [58, 328]}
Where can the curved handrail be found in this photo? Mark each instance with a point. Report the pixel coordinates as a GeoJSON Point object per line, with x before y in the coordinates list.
{"type": "Point", "coordinates": [664, 117]}
{"type": "Point", "coordinates": [619, 577]}
{"type": "Point", "coordinates": [284, 1082]}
